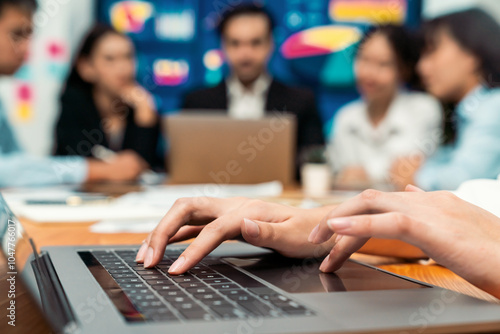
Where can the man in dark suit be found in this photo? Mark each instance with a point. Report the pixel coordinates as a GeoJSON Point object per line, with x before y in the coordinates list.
{"type": "Point", "coordinates": [250, 92]}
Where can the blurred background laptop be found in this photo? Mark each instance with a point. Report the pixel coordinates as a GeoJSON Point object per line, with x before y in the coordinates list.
{"type": "Point", "coordinates": [214, 148]}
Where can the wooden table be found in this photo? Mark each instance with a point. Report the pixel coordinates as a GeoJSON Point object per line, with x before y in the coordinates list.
{"type": "Point", "coordinates": [30, 320]}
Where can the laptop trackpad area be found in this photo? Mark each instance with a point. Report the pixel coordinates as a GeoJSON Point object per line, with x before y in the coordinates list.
{"type": "Point", "coordinates": [303, 275]}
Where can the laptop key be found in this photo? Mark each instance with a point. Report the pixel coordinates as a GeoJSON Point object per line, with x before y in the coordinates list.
{"type": "Point", "coordinates": [149, 304]}
{"type": "Point", "coordinates": [184, 279]}
{"type": "Point", "coordinates": [117, 276]}
{"type": "Point", "coordinates": [233, 292]}
{"type": "Point", "coordinates": [198, 272]}
{"type": "Point", "coordinates": [142, 297]}
{"type": "Point", "coordinates": [227, 286]}
{"type": "Point", "coordinates": [144, 272]}
{"type": "Point", "coordinates": [133, 286]}
{"type": "Point", "coordinates": [228, 312]}
{"type": "Point", "coordinates": [173, 293]}
{"type": "Point", "coordinates": [242, 298]}
{"type": "Point", "coordinates": [208, 276]}
{"type": "Point", "coordinates": [120, 271]}
{"type": "Point", "coordinates": [163, 267]}
{"type": "Point", "coordinates": [111, 267]}
{"type": "Point", "coordinates": [136, 291]}
{"type": "Point", "coordinates": [128, 280]}
{"type": "Point", "coordinates": [216, 302]}
{"type": "Point", "coordinates": [189, 285]}
{"type": "Point", "coordinates": [153, 277]}
{"type": "Point", "coordinates": [177, 299]}
{"type": "Point", "coordinates": [199, 290]}
{"type": "Point", "coordinates": [113, 262]}
{"type": "Point", "coordinates": [159, 282]}
{"type": "Point", "coordinates": [165, 287]}
{"type": "Point", "coordinates": [208, 296]}
{"type": "Point", "coordinates": [216, 281]}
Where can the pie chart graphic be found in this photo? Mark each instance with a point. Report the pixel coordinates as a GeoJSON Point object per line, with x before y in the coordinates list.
{"type": "Point", "coordinates": [324, 55]}
{"type": "Point", "coordinates": [131, 16]}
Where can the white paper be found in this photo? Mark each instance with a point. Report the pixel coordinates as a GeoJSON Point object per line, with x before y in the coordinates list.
{"type": "Point", "coordinates": [124, 226]}
{"type": "Point", "coordinates": [151, 204]}
{"type": "Point", "coordinates": [483, 193]}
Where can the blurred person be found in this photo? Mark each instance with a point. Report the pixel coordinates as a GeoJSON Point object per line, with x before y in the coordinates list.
{"type": "Point", "coordinates": [250, 92]}
{"type": "Point", "coordinates": [390, 121]}
{"type": "Point", "coordinates": [102, 104]}
{"type": "Point", "coordinates": [460, 66]}
{"type": "Point", "coordinates": [21, 169]}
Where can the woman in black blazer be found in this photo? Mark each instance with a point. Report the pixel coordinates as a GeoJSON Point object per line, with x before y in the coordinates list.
{"type": "Point", "coordinates": [102, 104]}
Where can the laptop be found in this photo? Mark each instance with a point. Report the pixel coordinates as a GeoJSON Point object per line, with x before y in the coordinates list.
{"type": "Point", "coordinates": [211, 147]}
{"type": "Point", "coordinates": [238, 288]}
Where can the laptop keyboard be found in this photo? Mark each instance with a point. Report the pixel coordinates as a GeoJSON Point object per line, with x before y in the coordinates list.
{"type": "Point", "coordinates": [211, 290]}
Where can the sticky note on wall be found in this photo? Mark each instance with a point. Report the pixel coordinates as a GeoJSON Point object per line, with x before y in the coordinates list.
{"type": "Point", "coordinates": [368, 11]}
{"type": "Point", "coordinates": [24, 95]}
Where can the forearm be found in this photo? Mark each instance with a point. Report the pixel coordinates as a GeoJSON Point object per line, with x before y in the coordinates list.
{"type": "Point", "coordinates": [21, 169]}
{"type": "Point", "coordinates": [146, 115]}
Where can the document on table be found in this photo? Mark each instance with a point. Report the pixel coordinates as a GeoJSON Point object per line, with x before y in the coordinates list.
{"type": "Point", "coordinates": [130, 209]}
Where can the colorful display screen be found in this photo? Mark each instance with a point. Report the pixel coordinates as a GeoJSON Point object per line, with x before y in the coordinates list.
{"type": "Point", "coordinates": [179, 49]}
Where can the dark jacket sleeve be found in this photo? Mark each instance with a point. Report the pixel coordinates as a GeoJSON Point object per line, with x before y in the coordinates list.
{"type": "Point", "coordinates": [144, 141]}
{"type": "Point", "coordinates": [214, 98]}
{"type": "Point", "coordinates": [77, 129]}
{"type": "Point", "coordinates": [310, 125]}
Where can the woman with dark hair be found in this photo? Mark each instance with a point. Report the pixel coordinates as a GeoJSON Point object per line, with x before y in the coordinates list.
{"type": "Point", "coordinates": [460, 66]}
{"type": "Point", "coordinates": [391, 118]}
{"type": "Point", "coordinates": [102, 104]}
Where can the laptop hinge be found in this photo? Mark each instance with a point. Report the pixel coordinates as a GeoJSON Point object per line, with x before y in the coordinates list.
{"type": "Point", "coordinates": [54, 301]}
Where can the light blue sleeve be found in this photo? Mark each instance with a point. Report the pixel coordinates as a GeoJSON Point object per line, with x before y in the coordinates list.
{"type": "Point", "coordinates": [18, 169]}
{"type": "Point", "coordinates": [477, 154]}
{"type": "Point", "coordinates": [24, 170]}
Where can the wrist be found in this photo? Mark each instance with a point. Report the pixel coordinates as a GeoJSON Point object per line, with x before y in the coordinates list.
{"type": "Point", "coordinates": [146, 117]}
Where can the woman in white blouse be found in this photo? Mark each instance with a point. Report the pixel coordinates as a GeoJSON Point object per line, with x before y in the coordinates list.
{"type": "Point", "coordinates": [389, 122]}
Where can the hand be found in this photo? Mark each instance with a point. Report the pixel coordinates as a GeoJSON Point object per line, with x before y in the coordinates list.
{"type": "Point", "coordinates": [352, 176]}
{"type": "Point", "coordinates": [213, 221]}
{"type": "Point", "coordinates": [453, 232]}
{"type": "Point", "coordinates": [126, 166]}
{"type": "Point", "coordinates": [143, 103]}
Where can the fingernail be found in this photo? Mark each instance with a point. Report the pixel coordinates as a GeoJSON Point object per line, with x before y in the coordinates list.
{"type": "Point", "coordinates": [339, 223]}
{"type": "Point", "coordinates": [324, 263]}
{"type": "Point", "coordinates": [313, 234]}
{"type": "Point", "coordinates": [176, 266]}
{"type": "Point", "coordinates": [149, 258]}
{"type": "Point", "coordinates": [338, 238]}
{"type": "Point", "coordinates": [140, 254]}
{"type": "Point", "coordinates": [251, 228]}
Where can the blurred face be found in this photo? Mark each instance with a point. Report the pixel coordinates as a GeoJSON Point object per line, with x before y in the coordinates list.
{"type": "Point", "coordinates": [111, 66]}
{"type": "Point", "coordinates": [447, 70]}
{"type": "Point", "coordinates": [15, 33]}
{"type": "Point", "coordinates": [376, 69]}
{"type": "Point", "coordinates": [248, 46]}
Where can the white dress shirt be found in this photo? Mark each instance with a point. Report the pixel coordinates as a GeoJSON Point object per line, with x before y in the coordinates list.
{"type": "Point", "coordinates": [411, 126]}
{"type": "Point", "coordinates": [248, 103]}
